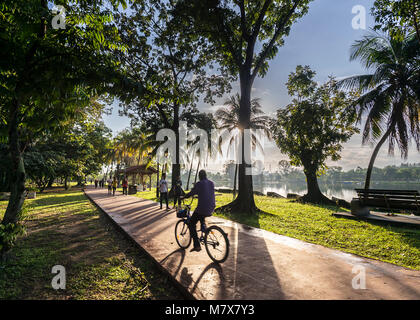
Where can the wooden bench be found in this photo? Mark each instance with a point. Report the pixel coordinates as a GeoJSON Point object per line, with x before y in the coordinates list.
{"type": "Point", "coordinates": [392, 200]}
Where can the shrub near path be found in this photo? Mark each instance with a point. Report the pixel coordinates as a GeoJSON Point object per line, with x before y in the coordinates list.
{"type": "Point", "coordinates": [64, 228]}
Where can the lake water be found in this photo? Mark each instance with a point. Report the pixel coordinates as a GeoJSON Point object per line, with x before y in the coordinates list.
{"type": "Point", "coordinates": [339, 190]}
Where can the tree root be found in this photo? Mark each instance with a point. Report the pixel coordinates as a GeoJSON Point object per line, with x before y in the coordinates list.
{"type": "Point", "coordinates": [320, 199]}
{"type": "Point", "coordinates": [236, 206]}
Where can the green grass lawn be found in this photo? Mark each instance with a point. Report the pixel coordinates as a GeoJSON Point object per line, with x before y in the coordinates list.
{"type": "Point", "coordinates": [316, 224]}
{"type": "Point", "coordinates": [64, 228]}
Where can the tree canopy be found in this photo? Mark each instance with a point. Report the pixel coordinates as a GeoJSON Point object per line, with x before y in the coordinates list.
{"type": "Point", "coordinates": [246, 35]}
{"type": "Point", "coordinates": [48, 75]}
{"type": "Point", "coordinates": [396, 16]}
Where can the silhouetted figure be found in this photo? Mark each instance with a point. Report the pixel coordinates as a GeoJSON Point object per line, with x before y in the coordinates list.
{"type": "Point", "coordinates": [114, 186]}
{"type": "Point", "coordinates": [178, 192]}
{"type": "Point", "coordinates": [109, 186]}
{"type": "Point", "coordinates": [205, 207]}
{"type": "Point", "coordinates": [125, 186]}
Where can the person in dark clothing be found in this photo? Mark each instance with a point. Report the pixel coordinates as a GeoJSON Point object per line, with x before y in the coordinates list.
{"type": "Point", "coordinates": [204, 189]}
{"type": "Point", "coordinates": [178, 192]}
{"type": "Point", "coordinates": [114, 185]}
{"type": "Point", "coordinates": [125, 186]}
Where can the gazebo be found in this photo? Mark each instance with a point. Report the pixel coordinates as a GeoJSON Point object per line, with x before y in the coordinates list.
{"type": "Point", "coordinates": [137, 173]}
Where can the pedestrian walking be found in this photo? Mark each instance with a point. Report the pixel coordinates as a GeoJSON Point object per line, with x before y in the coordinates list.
{"type": "Point", "coordinates": [163, 188]}
{"type": "Point", "coordinates": [114, 186]}
{"type": "Point", "coordinates": [109, 186]}
{"type": "Point", "coordinates": [125, 186]}
{"type": "Point", "coordinates": [178, 192]}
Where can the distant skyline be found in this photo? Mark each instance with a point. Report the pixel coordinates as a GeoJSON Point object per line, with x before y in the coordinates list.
{"type": "Point", "coordinates": [322, 40]}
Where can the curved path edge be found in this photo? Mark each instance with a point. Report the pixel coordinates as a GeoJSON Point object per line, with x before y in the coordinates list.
{"type": "Point", "coordinates": [261, 265]}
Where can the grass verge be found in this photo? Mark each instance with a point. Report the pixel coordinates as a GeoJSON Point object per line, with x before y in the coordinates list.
{"type": "Point", "coordinates": [64, 228]}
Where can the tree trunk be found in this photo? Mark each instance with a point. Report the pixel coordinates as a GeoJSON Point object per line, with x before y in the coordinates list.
{"type": "Point", "coordinates": [66, 187]}
{"type": "Point", "coordinates": [176, 167]}
{"type": "Point", "coordinates": [157, 181]}
{"type": "Point", "coordinates": [189, 175]}
{"type": "Point", "coordinates": [314, 194]}
{"type": "Point", "coordinates": [375, 154]}
{"type": "Point", "coordinates": [17, 174]}
{"type": "Point", "coordinates": [234, 180]}
{"type": "Point", "coordinates": [50, 182]}
{"type": "Point", "coordinates": [196, 172]}
{"type": "Point", "coordinates": [245, 202]}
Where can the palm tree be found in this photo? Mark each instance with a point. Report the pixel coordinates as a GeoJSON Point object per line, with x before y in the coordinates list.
{"type": "Point", "coordinates": [206, 122]}
{"type": "Point", "coordinates": [194, 153]}
{"type": "Point", "coordinates": [389, 96]}
{"type": "Point", "coordinates": [133, 146]}
{"type": "Point", "coordinates": [228, 118]}
{"type": "Point", "coordinates": [140, 144]}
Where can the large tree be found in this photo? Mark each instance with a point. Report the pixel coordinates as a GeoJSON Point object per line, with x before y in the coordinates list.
{"type": "Point", "coordinates": [47, 75]}
{"type": "Point", "coordinates": [247, 34]}
{"type": "Point", "coordinates": [172, 61]}
{"type": "Point", "coordinates": [313, 127]}
{"type": "Point", "coordinates": [390, 92]}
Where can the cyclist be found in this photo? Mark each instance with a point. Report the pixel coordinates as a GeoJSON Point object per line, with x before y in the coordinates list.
{"type": "Point", "coordinates": [206, 204]}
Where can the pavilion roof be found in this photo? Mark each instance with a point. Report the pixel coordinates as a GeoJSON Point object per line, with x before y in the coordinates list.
{"type": "Point", "coordinates": [140, 169]}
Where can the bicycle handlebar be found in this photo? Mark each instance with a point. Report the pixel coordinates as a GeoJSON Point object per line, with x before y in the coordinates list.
{"type": "Point", "coordinates": [192, 198]}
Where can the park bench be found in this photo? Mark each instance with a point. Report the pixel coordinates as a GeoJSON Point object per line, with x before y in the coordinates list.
{"type": "Point", "coordinates": [391, 200]}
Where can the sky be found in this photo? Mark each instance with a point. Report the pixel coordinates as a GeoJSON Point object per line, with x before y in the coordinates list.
{"type": "Point", "coordinates": [322, 40]}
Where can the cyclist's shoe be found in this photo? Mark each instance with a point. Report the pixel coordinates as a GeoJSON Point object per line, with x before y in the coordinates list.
{"type": "Point", "coordinates": [195, 249]}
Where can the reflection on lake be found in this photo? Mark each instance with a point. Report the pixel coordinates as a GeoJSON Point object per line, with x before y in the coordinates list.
{"type": "Point", "coordinates": [335, 189]}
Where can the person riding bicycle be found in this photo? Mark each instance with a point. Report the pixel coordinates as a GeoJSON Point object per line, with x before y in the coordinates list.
{"type": "Point", "coordinates": [204, 189]}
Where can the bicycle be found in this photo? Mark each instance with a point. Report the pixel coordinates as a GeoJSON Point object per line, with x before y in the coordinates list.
{"type": "Point", "coordinates": [215, 240]}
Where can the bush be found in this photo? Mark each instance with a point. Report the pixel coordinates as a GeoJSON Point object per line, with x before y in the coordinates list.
{"type": "Point", "coordinates": [11, 231]}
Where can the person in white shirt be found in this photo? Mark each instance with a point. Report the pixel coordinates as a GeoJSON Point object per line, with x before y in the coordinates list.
{"type": "Point", "coordinates": [163, 188]}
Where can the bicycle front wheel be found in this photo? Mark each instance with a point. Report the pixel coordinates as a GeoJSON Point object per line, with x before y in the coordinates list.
{"type": "Point", "coordinates": [217, 244]}
{"type": "Point", "coordinates": [182, 234]}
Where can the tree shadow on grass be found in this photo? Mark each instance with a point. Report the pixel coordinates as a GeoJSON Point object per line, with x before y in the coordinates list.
{"type": "Point", "coordinates": [57, 200]}
{"type": "Point", "coordinates": [79, 241]}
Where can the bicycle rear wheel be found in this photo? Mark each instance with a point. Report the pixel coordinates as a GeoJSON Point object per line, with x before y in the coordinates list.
{"type": "Point", "coordinates": [182, 234]}
{"type": "Point", "coordinates": [217, 244]}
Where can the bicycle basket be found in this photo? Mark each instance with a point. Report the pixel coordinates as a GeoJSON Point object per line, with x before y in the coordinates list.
{"type": "Point", "coordinates": [182, 213]}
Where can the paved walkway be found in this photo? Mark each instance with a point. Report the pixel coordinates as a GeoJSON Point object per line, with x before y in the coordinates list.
{"type": "Point", "coordinates": [261, 265]}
